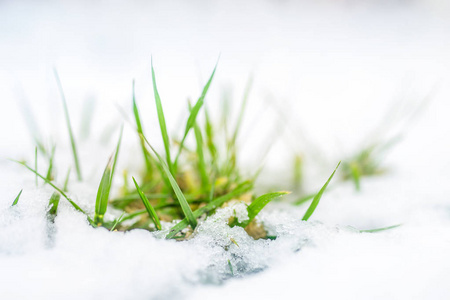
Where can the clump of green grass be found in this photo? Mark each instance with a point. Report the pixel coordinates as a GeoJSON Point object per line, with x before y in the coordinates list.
{"type": "Point", "coordinates": [185, 187]}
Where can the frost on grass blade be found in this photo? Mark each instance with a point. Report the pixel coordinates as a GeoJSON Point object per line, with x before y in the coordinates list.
{"type": "Point", "coordinates": [316, 199]}
{"type": "Point", "coordinates": [150, 210]}
{"type": "Point", "coordinates": [17, 198]}
{"type": "Point", "coordinates": [180, 196]}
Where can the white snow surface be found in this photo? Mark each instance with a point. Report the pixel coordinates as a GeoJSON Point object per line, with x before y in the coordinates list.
{"type": "Point", "coordinates": [334, 69]}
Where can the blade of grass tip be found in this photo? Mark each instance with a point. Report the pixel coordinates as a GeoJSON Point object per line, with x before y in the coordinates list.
{"type": "Point", "coordinates": [162, 122]}
{"type": "Point", "coordinates": [36, 162]}
{"type": "Point", "coordinates": [194, 112]}
{"type": "Point", "coordinates": [150, 210]}
{"type": "Point", "coordinates": [17, 198]}
{"type": "Point", "coordinates": [380, 229]}
{"type": "Point", "coordinates": [117, 221]}
{"type": "Point", "coordinates": [239, 190]}
{"type": "Point", "coordinates": [201, 158]}
{"type": "Point", "coordinates": [258, 204]}
{"type": "Point", "coordinates": [56, 188]}
{"type": "Point", "coordinates": [101, 202]}
{"type": "Point", "coordinates": [180, 196]}
{"type": "Point", "coordinates": [137, 119]}
{"type": "Point", "coordinates": [312, 207]}
{"type": "Point", "coordinates": [69, 127]}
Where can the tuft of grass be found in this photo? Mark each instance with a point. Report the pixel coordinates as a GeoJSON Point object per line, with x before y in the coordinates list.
{"type": "Point", "coordinates": [317, 198]}
{"type": "Point", "coordinates": [150, 210]}
{"type": "Point", "coordinates": [69, 127]}
{"type": "Point", "coordinates": [202, 177]}
{"type": "Point", "coordinates": [101, 202]}
{"type": "Point", "coordinates": [17, 198]}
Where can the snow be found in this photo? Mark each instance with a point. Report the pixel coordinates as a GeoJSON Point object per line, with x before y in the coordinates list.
{"type": "Point", "coordinates": [337, 68]}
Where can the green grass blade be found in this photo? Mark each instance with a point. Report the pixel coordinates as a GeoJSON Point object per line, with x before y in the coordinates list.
{"type": "Point", "coordinates": [137, 119]}
{"type": "Point", "coordinates": [194, 112]}
{"type": "Point", "coordinates": [380, 229]}
{"type": "Point", "coordinates": [316, 199]}
{"type": "Point", "coordinates": [201, 159]}
{"type": "Point", "coordinates": [57, 189]}
{"type": "Point", "coordinates": [209, 129]}
{"type": "Point", "coordinates": [150, 210]}
{"type": "Point", "coordinates": [239, 190]}
{"type": "Point", "coordinates": [162, 122]}
{"type": "Point", "coordinates": [53, 204]}
{"type": "Point", "coordinates": [101, 201]}
{"type": "Point", "coordinates": [50, 165]}
{"type": "Point", "coordinates": [258, 204]}
{"type": "Point", "coordinates": [180, 196]}
{"type": "Point", "coordinates": [66, 181]}
{"type": "Point", "coordinates": [69, 127]}
{"type": "Point", "coordinates": [17, 198]}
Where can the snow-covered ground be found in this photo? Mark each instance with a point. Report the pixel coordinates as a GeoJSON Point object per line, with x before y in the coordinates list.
{"type": "Point", "coordinates": [335, 70]}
